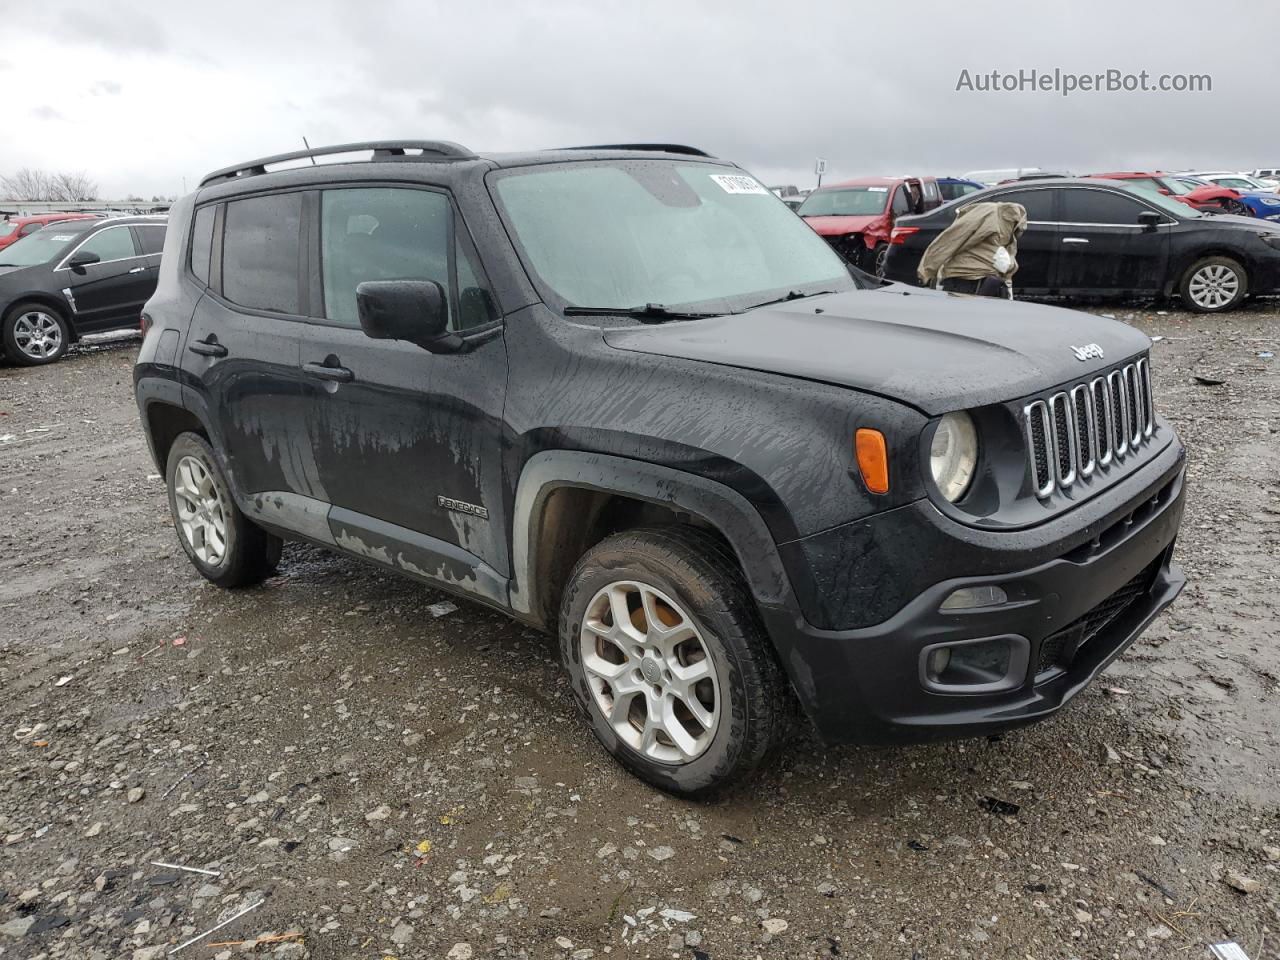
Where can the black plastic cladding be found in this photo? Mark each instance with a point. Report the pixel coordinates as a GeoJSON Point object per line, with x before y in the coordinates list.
{"type": "Point", "coordinates": [695, 407]}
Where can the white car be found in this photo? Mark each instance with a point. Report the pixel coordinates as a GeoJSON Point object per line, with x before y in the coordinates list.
{"type": "Point", "coordinates": [1236, 181]}
{"type": "Point", "coordinates": [1267, 175]}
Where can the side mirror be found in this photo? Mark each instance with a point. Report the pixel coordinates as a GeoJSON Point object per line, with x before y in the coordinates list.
{"type": "Point", "coordinates": [416, 311]}
{"type": "Point", "coordinates": [83, 259]}
{"type": "Point", "coordinates": [1150, 219]}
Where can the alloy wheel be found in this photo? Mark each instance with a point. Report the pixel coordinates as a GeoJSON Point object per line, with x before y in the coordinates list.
{"type": "Point", "coordinates": [650, 672]}
{"type": "Point", "coordinates": [1214, 286]}
{"type": "Point", "coordinates": [202, 515]}
{"type": "Point", "coordinates": [37, 334]}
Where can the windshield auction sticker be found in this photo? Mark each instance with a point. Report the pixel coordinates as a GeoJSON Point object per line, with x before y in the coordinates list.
{"type": "Point", "coordinates": [732, 184]}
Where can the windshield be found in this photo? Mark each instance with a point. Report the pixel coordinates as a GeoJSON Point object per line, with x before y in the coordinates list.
{"type": "Point", "coordinates": [1181, 188]}
{"type": "Point", "coordinates": [39, 247]}
{"type": "Point", "coordinates": [627, 233]}
{"type": "Point", "coordinates": [1238, 183]}
{"type": "Point", "coordinates": [849, 202]}
{"type": "Point", "coordinates": [1168, 204]}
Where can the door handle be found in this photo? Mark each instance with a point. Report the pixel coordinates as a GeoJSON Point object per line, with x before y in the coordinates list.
{"type": "Point", "coordinates": [1074, 240]}
{"type": "Point", "coordinates": [208, 347]}
{"type": "Point", "coordinates": [138, 270]}
{"type": "Point", "coordinates": [323, 371]}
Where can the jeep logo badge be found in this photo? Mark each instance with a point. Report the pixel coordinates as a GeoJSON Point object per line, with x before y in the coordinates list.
{"type": "Point", "coordinates": [1090, 351]}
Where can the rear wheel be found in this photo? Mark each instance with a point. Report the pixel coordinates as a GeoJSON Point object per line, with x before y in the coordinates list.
{"type": "Point", "coordinates": [224, 545]}
{"type": "Point", "coordinates": [1213, 285]}
{"type": "Point", "coordinates": [668, 660]}
{"type": "Point", "coordinates": [35, 334]}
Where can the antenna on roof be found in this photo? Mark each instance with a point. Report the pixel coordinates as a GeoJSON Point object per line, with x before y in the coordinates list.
{"type": "Point", "coordinates": [308, 146]}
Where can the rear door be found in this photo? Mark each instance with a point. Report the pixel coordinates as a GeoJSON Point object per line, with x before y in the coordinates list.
{"type": "Point", "coordinates": [1038, 245]}
{"type": "Point", "coordinates": [1104, 248]}
{"type": "Point", "coordinates": [241, 350]}
{"type": "Point", "coordinates": [407, 443]}
{"type": "Point", "coordinates": [109, 293]}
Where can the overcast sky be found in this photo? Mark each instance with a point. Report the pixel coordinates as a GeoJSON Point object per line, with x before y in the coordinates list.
{"type": "Point", "coordinates": [140, 95]}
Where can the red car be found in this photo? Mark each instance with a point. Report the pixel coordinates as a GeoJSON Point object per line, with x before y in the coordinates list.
{"type": "Point", "coordinates": [1210, 197]}
{"type": "Point", "coordinates": [13, 229]}
{"type": "Point", "coordinates": [856, 217]}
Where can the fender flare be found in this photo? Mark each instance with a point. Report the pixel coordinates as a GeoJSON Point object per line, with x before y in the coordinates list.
{"type": "Point", "coordinates": [723, 508]}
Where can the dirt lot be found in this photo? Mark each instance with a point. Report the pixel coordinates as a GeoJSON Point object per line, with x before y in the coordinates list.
{"type": "Point", "coordinates": [389, 783]}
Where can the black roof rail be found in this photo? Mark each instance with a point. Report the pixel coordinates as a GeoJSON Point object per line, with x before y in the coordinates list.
{"type": "Point", "coordinates": [382, 150]}
{"type": "Point", "coordinates": [655, 147]}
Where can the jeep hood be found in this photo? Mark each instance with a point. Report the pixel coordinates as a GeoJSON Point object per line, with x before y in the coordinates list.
{"type": "Point", "coordinates": [936, 352]}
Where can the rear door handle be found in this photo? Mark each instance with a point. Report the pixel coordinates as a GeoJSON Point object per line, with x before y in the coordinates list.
{"type": "Point", "coordinates": [139, 270]}
{"type": "Point", "coordinates": [1074, 240]}
{"type": "Point", "coordinates": [208, 347]}
{"type": "Point", "coordinates": [323, 371]}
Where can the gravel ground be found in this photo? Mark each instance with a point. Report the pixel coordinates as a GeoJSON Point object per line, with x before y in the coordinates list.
{"type": "Point", "coordinates": [375, 780]}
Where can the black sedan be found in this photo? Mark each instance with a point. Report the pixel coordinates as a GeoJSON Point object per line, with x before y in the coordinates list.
{"type": "Point", "coordinates": [73, 278]}
{"type": "Point", "coordinates": [1098, 238]}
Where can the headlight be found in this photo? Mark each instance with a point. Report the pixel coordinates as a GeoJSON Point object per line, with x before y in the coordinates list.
{"type": "Point", "coordinates": [1271, 203]}
{"type": "Point", "coordinates": [953, 455]}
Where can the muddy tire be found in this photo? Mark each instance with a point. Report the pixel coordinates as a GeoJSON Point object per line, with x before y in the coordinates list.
{"type": "Point", "coordinates": [224, 545]}
{"type": "Point", "coordinates": [1213, 285]}
{"type": "Point", "coordinates": [669, 663]}
{"type": "Point", "coordinates": [34, 334]}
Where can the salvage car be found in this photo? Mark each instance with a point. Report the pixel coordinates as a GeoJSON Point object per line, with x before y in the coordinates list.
{"type": "Point", "coordinates": [627, 397]}
{"type": "Point", "coordinates": [1200, 194]}
{"type": "Point", "coordinates": [1096, 238]}
{"type": "Point", "coordinates": [75, 277]}
{"type": "Point", "coordinates": [14, 228]}
{"type": "Point", "coordinates": [856, 217]}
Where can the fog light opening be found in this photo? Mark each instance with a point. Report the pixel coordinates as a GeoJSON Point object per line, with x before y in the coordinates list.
{"type": "Point", "coordinates": [969, 598]}
{"type": "Point", "coordinates": [975, 666]}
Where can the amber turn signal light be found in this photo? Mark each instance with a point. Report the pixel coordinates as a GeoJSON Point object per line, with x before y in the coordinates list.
{"type": "Point", "coordinates": [873, 459]}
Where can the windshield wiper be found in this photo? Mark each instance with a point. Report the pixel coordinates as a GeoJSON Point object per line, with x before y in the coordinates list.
{"type": "Point", "coordinates": [650, 313]}
{"type": "Point", "coordinates": [793, 295]}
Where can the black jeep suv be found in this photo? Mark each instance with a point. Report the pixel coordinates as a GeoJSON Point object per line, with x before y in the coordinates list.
{"type": "Point", "coordinates": [624, 394]}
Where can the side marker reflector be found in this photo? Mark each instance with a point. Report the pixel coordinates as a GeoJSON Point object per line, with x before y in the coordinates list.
{"type": "Point", "coordinates": [873, 459]}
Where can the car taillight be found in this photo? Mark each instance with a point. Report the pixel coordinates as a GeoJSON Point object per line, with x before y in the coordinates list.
{"type": "Point", "coordinates": [145, 323]}
{"type": "Point", "coordinates": [900, 234]}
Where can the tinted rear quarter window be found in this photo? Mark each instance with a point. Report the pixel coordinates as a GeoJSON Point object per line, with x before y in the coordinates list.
{"type": "Point", "coordinates": [1099, 206]}
{"type": "Point", "coordinates": [202, 243]}
{"type": "Point", "coordinates": [260, 249]}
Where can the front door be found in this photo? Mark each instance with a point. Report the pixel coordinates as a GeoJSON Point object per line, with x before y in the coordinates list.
{"type": "Point", "coordinates": [111, 292]}
{"type": "Point", "coordinates": [1105, 249]}
{"type": "Point", "coordinates": [407, 443]}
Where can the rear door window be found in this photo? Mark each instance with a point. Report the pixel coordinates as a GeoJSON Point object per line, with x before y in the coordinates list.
{"type": "Point", "coordinates": [1099, 206]}
{"type": "Point", "coordinates": [260, 252]}
{"type": "Point", "coordinates": [152, 237]}
{"type": "Point", "coordinates": [1039, 204]}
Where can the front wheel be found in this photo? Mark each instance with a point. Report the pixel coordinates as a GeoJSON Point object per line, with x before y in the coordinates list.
{"type": "Point", "coordinates": [668, 661]}
{"type": "Point", "coordinates": [222, 543]}
{"type": "Point", "coordinates": [1213, 285]}
{"type": "Point", "coordinates": [35, 334]}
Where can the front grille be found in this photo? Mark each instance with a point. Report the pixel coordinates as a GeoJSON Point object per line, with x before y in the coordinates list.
{"type": "Point", "coordinates": [1057, 649]}
{"type": "Point", "coordinates": [1090, 425]}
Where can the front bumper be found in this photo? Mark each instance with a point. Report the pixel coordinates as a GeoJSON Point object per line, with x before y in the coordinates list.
{"type": "Point", "coordinates": [867, 685]}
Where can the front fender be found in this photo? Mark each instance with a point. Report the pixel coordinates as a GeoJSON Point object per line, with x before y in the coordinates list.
{"type": "Point", "coordinates": [723, 508]}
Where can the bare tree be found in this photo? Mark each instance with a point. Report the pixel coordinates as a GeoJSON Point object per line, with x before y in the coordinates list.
{"type": "Point", "coordinates": [26, 184]}
{"type": "Point", "coordinates": [73, 187]}
{"type": "Point", "coordinates": [37, 185]}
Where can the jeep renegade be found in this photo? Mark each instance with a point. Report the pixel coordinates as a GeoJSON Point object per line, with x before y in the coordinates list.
{"type": "Point", "coordinates": [624, 394]}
